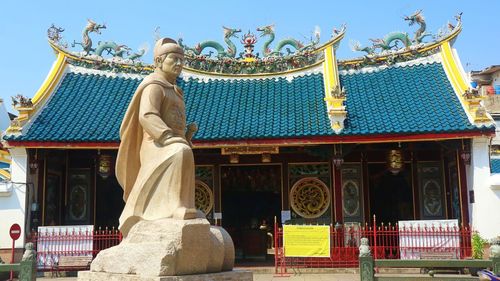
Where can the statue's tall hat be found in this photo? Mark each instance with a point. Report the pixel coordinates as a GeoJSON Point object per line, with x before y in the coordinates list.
{"type": "Point", "coordinates": [165, 46]}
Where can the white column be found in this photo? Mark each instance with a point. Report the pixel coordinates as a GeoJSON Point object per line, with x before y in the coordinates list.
{"type": "Point", "coordinates": [486, 208]}
{"type": "Point", "coordinates": [13, 199]}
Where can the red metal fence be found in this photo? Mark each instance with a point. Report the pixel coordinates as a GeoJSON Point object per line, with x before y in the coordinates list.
{"type": "Point", "coordinates": [386, 242]}
{"type": "Point", "coordinates": [51, 246]}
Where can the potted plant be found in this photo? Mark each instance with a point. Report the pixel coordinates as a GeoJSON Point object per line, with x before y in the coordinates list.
{"type": "Point", "coordinates": [477, 244]}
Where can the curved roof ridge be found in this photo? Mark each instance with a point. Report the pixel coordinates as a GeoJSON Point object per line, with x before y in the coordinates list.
{"type": "Point", "coordinates": [434, 58]}
{"type": "Point", "coordinates": [85, 70]}
{"type": "Point", "coordinates": [206, 77]}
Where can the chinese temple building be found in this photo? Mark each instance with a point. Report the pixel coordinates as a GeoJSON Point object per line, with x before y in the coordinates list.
{"type": "Point", "coordinates": [288, 132]}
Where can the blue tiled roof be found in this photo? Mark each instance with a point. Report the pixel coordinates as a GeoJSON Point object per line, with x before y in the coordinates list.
{"type": "Point", "coordinates": [495, 166]}
{"type": "Point", "coordinates": [85, 107]}
{"type": "Point", "coordinates": [412, 99]}
{"type": "Point", "coordinates": [399, 100]}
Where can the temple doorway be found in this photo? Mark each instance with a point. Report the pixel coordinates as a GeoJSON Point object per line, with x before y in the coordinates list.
{"type": "Point", "coordinates": [109, 202]}
{"type": "Point", "coordinates": [251, 198]}
{"type": "Point", "coordinates": [391, 196]}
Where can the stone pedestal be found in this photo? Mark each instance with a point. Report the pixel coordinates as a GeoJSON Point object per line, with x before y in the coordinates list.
{"type": "Point", "coordinates": [168, 247]}
{"type": "Point", "coordinates": [221, 276]}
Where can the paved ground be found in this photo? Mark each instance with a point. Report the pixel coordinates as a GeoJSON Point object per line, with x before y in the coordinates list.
{"type": "Point", "coordinates": [266, 277]}
{"type": "Point", "coordinates": [308, 277]}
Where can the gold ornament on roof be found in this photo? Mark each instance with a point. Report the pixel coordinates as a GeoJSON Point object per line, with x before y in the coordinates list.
{"type": "Point", "coordinates": [310, 197]}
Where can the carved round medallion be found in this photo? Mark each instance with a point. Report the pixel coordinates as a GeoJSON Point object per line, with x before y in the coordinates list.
{"type": "Point", "coordinates": [310, 197]}
{"type": "Point", "coordinates": [203, 197]}
{"type": "Point", "coordinates": [350, 197]}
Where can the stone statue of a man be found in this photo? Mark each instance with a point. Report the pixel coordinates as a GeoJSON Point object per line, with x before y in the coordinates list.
{"type": "Point", "coordinates": [155, 164]}
{"type": "Point", "coordinates": [164, 234]}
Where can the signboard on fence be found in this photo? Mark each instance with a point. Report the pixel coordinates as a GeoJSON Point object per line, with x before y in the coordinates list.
{"type": "Point", "coordinates": [55, 241]}
{"type": "Point", "coordinates": [306, 240]}
{"type": "Point", "coordinates": [424, 239]}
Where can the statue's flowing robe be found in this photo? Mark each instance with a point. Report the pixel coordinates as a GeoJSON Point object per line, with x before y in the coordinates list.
{"type": "Point", "coordinates": [156, 171]}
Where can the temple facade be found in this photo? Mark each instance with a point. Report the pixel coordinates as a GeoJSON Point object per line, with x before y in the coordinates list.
{"type": "Point", "coordinates": [290, 134]}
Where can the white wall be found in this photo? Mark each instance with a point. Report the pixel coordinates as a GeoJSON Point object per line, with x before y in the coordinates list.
{"type": "Point", "coordinates": [13, 203]}
{"type": "Point", "coordinates": [486, 209]}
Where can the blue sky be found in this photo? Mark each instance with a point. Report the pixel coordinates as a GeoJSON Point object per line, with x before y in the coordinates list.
{"type": "Point", "coordinates": [26, 57]}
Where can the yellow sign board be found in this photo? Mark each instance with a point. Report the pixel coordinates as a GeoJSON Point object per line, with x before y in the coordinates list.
{"type": "Point", "coordinates": [306, 240]}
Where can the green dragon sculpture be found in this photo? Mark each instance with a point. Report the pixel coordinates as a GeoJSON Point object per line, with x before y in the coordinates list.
{"type": "Point", "coordinates": [103, 47]}
{"type": "Point", "coordinates": [137, 55]}
{"type": "Point", "coordinates": [86, 41]}
{"type": "Point", "coordinates": [112, 49]}
{"type": "Point", "coordinates": [391, 40]}
{"type": "Point", "coordinates": [268, 30]}
{"type": "Point", "coordinates": [418, 18]}
{"type": "Point", "coordinates": [221, 52]}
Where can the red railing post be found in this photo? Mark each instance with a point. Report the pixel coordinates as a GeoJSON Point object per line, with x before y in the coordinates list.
{"type": "Point", "coordinates": [375, 236]}
{"type": "Point", "coordinates": [275, 246]}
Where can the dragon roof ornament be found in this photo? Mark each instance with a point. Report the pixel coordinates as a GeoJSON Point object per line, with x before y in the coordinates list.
{"type": "Point", "coordinates": [105, 55]}
{"type": "Point", "coordinates": [399, 46]}
{"type": "Point", "coordinates": [287, 55]}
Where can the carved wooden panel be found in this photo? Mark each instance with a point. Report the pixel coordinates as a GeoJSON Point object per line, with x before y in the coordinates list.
{"type": "Point", "coordinates": [78, 196]}
{"type": "Point", "coordinates": [204, 195]}
{"type": "Point", "coordinates": [309, 194]}
{"type": "Point", "coordinates": [430, 181]}
{"type": "Point", "coordinates": [310, 197]}
{"type": "Point", "coordinates": [352, 187]}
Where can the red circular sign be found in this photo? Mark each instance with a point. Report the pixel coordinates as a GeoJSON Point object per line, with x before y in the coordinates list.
{"type": "Point", "coordinates": [15, 231]}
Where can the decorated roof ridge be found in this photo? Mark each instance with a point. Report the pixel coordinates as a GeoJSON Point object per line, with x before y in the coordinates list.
{"type": "Point", "coordinates": [413, 48]}
{"type": "Point", "coordinates": [103, 50]}
{"type": "Point", "coordinates": [109, 56]}
{"type": "Point", "coordinates": [268, 62]}
{"type": "Point", "coordinates": [101, 64]}
{"type": "Point", "coordinates": [434, 58]}
{"type": "Point", "coordinates": [316, 68]}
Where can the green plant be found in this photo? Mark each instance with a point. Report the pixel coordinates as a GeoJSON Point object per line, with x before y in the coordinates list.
{"type": "Point", "coordinates": [477, 245]}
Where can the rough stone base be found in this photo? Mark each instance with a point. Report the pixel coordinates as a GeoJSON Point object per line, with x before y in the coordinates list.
{"type": "Point", "coordinates": [234, 275]}
{"type": "Point", "coordinates": [169, 247]}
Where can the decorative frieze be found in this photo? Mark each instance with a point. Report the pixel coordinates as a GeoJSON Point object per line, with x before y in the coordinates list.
{"type": "Point", "coordinates": [245, 150]}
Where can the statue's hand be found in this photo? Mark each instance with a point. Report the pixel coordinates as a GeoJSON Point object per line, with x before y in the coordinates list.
{"type": "Point", "coordinates": [192, 128]}
{"type": "Point", "coordinates": [190, 131]}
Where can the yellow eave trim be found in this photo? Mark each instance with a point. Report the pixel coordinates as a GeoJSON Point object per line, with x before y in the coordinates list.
{"type": "Point", "coordinates": [330, 75]}
{"type": "Point", "coordinates": [458, 81]}
{"type": "Point", "coordinates": [52, 79]}
{"type": "Point", "coordinates": [451, 67]}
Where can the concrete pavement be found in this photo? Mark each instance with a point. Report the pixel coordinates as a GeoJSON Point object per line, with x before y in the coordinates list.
{"type": "Point", "coordinates": [266, 277]}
